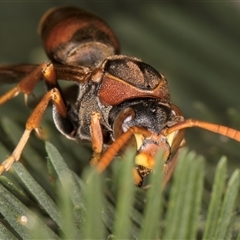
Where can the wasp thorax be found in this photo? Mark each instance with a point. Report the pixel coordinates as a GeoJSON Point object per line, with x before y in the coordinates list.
{"type": "Point", "coordinates": [133, 71]}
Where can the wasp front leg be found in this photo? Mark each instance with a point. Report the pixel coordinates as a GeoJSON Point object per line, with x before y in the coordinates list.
{"type": "Point", "coordinates": [33, 124]}
{"type": "Point", "coordinates": [97, 138]}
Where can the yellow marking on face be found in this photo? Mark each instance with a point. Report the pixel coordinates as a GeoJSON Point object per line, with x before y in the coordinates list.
{"type": "Point", "coordinates": [139, 140]}
{"type": "Point", "coordinates": [171, 137]}
{"type": "Point", "coordinates": [141, 159]}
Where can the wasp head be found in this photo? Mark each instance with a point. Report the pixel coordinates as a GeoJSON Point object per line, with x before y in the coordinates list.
{"type": "Point", "coordinates": [153, 116]}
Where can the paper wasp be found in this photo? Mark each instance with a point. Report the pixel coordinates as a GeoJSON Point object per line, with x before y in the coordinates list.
{"type": "Point", "coordinates": [121, 100]}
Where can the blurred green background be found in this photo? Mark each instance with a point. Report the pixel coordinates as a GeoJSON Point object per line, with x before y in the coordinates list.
{"type": "Point", "coordinates": [195, 44]}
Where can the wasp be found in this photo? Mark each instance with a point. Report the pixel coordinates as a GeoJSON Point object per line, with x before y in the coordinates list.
{"type": "Point", "coordinates": [121, 100]}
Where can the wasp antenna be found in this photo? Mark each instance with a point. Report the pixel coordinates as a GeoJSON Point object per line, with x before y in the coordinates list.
{"type": "Point", "coordinates": [225, 131]}
{"type": "Point", "coordinates": [110, 153]}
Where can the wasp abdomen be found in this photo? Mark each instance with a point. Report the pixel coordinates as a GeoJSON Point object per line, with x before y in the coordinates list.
{"type": "Point", "coordinates": [73, 36]}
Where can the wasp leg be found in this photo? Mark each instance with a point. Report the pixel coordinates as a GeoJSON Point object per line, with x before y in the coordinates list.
{"type": "Point", "coordinates": [170, 165]}
{"type": "Point", "coordinates": [97, 138]}
{"type": "Point", "coordinates": [169, 169]}
{"type": "Point", "coordinates": [28, 83]}
{"type": "Point", "coordinates": [33, 124]}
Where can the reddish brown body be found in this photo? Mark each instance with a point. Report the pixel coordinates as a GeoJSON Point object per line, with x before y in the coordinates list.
{"type": "Point", "coordinates": [73, 36]}
{"type": "Point", "coordinates": [121, 100]}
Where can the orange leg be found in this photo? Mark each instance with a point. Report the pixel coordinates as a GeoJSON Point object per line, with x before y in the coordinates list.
{"type": "Point", "coordinates": [27, 84]}
{"type": "Point", "coordinates": [28, 75]}
{"type": "Point", "coordinates": [33, 124]}
{"type": "Point", "coordinates": [97, 138]}
{"type": "Point", "coordinates": [169, 169]}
